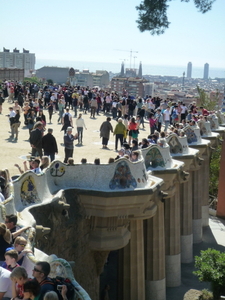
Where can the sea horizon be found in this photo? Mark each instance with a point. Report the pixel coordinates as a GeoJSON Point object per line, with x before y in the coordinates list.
{"type": "Point", "coordinates": [147, 69]}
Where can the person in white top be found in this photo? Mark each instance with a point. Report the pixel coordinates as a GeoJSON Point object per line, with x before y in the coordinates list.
{"type": "Point", "coordinates": [5, 284]}
{"type": "Point", "coordinates": [166, 117]}
{"type": "Point", "coordinates": [80, 126]}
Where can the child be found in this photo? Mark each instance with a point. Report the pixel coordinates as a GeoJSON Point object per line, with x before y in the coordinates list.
{"type": "Point", "coordinates": [11, 258]}
{"type": "Point", "coordinates": [19, 277]}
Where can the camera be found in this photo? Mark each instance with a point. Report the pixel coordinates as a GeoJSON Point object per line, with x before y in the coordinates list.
{"type": "Point", "coordinates": [59, 288]}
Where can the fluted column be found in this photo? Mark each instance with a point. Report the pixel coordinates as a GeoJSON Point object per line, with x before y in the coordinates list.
{"type": "Point", "coordinates": [205, 192]}
{"type": "Point", "coordinates": [186, 220]}
{"type": "Point", "coordinates": [197, 185]}
{"type": "Point", "coordinates": [133, 263]}
{"type": "Point", "coordinates": [172, 239]}
{"type": "Point", "coordinates": [155, 256]}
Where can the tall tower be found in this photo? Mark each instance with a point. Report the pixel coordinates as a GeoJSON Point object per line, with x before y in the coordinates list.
{"type": "Point", "coordinates": [140, 70]}
{"type": "Point", "coordinates": [122, 70]}
{"type": "Point", "coordinates": [206, 71]}
{"type": "Point", "coordinates": [189, 70]}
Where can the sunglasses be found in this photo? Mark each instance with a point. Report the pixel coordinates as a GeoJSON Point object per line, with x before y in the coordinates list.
{"type": "Point", "coordinates": [36, 270]}
{"type": "Point", "coordinates": [23, 245]}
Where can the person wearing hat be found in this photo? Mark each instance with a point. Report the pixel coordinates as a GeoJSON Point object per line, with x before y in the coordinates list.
{"type": "Point", "coordinates": [68, 144]}
{"type": "Point", "coordinates": [119, 132]}
{"type": "Point", "coordinates": [5, 241]}
{"type": "Point", "coordinates": [105, 129]}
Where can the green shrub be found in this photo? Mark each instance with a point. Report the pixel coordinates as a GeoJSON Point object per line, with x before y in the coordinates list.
{"type": "Point", "coordinates": [210, 267]}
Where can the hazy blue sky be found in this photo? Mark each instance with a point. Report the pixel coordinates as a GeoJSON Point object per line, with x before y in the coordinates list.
{"type": "Point", "coordinates": [91, 31]}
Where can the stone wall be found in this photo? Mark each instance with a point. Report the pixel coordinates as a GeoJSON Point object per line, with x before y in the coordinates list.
{"type": "Point", "coordinates": [69, 239]}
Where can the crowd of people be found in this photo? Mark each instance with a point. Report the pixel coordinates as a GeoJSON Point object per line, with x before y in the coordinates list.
{"type": "Point", "coordinates": [37, 104]}
{"type": "Point", "coordinates": [14, 280]}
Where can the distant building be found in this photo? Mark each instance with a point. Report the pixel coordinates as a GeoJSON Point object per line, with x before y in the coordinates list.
{"type": "Point", "coordinates": [100, 78]}
{"type": "Point", "coordinates": [149, 89]}
{"type": "Point", "coordinates": [189, 70]}
{"type": "Point", "coordinates": [12, 74]}
{"type": "Point", "coordinates": [58, 75]}
{"type": "Point", "coordinates": [206, 71]}
{"type": "Point", "coordinates": [140, 71]}
{"type": "Point", "coordinates": [84, 78]}
{"type": "Point", "coordinates": [122, 70]}
{"type": "Point", "coordinates": [131, 72]}
{"type": "Point", "coordinates": [15, 59]}
{"type": "Point", "coordinates": [133, 86]}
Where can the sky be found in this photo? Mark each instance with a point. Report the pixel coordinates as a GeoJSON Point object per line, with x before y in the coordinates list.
{"type": "Point", "coordinates": [106, 31]}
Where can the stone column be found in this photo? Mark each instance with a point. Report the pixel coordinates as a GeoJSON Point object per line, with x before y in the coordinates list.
{"type": "Point", "coordinates": [205, 191]}
{"type": "Point", "coordinates": [197, 185]}
{"type": "Point", "coordinates": [133, 263]}
{"type": "Point", "coordinates": [186, 220]}
{"type": "Point", "coordinates": [172, 238]}
{"type": "Point", "coordinates": [221, 193]}
{"type": "Point", "coordinates": [155, 282]}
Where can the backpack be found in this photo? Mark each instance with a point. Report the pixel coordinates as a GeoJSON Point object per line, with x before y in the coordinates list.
{"type": "Point", "coordinates": [174, 115]}
{"type": "Point", "coordinates": [57, 281]}
{"type": "Point", "coordinates": [66, 119]}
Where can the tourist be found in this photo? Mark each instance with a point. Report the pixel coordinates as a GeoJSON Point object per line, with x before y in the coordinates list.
{"type": "Point", "coordinates": [67, 120]}
{"type": "Point", "coordinates": [2, 100]}
{"type": "Point", "coordinates": [119, 132]}
{"type": "Point", "coordinates": [105, 129]}
{"type": "Point", "coordinates": [26, 109]}
{"type": "Point", "coordinates": [61, 107]}
{"type": "Point", "coordinates": [11, 258]}
{"type": "Point", "coordinates": [19, 245]}
{"type": "Point", "coordinates": [40, 272]}
{"type": "Point", "coordinates": [16, 124]}
{"type": "Point", "coordinates": [44, 162]}
{"type": "Point", "coordinates": [80, 126]}
{"type": "Point", "coordinates": [5, 284]}
{"type": "Point", "coordinates": [31, 290]}
{"type": "Point", "coordinates": [49, 144]}
{"type": "Point", "coordinates": [18, 277]}
{"type": "Point", "coordinates": [134, 156]}
{"type": "Point", "coordinates": [5, 241]}
{"type": "Point", "coordinates": [152, 123]}
{"type": "Point", "coordinates": [166, 118]}
{"type": "Point", "coordinates": [50, 108]}
{"type": "Point", "coordinates": [68, 144]}
{"type": "Point", "coordinates": [30, 119]}
{"type": "Point", "coordinates": [93, 105]}
{"type": "Point", "coordinates": [133, 130]}
{"type": "Point", "coordinates": [41, 117]}
{"type": "Point", "coordinates": [36, 139]}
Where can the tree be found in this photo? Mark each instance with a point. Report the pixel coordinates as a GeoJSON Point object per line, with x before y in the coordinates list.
{"type": "Point", "coordinates": [153, 14]}
{"type": "Point", "coordinates": [50, 81]}
{"type": "Point", "coordinates": [205, 101]}
{"type": "Point", "coordinates": [211, 268]}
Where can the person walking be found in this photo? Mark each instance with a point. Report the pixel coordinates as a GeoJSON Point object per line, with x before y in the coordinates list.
{"type": "Point", "coordinates": [119, 132]}
{"type": "Point", "coordinates": [67, 120]}
{"type": "Point", "coordinates": [80, 126]}
{"type": "Point", "coordinates": [49, 144]}
{"type": "Point", "coordinates": [16, 124]}
{"type": "Point", "coordinates": [94, 105]}
{"type": "Point", "coordinates": [36, 139]}
{"type": "Point", "coordinates": [105, 129]}
{"type": "Point", "coordinates": [68, 144]}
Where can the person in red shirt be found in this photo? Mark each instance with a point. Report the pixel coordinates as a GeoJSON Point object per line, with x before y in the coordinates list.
{"type": "Point", "coordinates": [204, 111]}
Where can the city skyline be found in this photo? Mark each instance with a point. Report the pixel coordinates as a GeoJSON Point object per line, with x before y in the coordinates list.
{"type": "Point", "coordinates": [55, 32]}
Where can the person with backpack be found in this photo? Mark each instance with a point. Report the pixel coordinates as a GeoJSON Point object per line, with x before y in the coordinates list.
{"type": "Point", "coordinates": [40, 272]}
{"type": "Point", "coordinates": [67, 120]}
{"type": "Point", "coordinates": [174, 114]}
